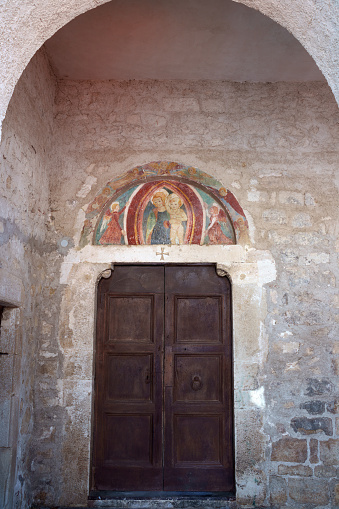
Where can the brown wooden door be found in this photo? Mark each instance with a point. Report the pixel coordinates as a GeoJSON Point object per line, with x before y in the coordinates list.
{"type": "Point", "coordinates": [163, 404]}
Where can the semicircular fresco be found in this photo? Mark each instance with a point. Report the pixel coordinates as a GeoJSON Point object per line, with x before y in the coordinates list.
{"type": "Point", "coordinates": [164, 203]}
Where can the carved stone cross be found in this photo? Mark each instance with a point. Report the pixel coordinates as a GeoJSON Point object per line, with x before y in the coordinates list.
{"type": "Point", "coordinates": [162, 253]}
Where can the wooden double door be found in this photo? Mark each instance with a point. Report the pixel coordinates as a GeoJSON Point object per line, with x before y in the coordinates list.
{"type": "Point", "coordinates": [163, 380]}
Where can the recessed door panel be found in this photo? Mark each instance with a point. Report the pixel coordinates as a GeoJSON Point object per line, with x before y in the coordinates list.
{"type": "Point", "coordinates": [198, 319]}
{"type": "Point", "coordinates": [130, 318]}
{"type": "Point", "coordinates": [129, 377]}
{"type": "Point", "coordinates": [128, 439]}
{"type": "Point", "coordinates": [198, 378]}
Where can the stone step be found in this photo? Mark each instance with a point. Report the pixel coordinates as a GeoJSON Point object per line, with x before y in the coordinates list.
{"type": "Point", "coordinates": [186, 502]}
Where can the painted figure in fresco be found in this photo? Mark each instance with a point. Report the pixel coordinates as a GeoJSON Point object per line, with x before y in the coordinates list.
{"type": "Point", "coordinates": [99, 200]}
{"type": "Point", "coordinates": [241, 225]}
{"type": "Point", "coordinates": [158, 227]}
{"type": "Point", "coordinates": [113, 232]}
{"type": "Point", "coordinates": [230, 198]}
{"type": "Point", "coordinates": [214, 230]}
{"type": "Point", "coordinates": [177, 216]}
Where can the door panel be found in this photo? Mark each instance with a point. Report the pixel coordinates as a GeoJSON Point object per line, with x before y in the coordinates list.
{"type": "Point", "coordinates": [128, 386]}
{"type": "Point", "coordinates": [198, 378]}
{"type": "Point", "coordinates": [128, 377]}
{"type": "Point", "coordinates": [198, 381]}
{"type": "Point", "coordinates": [197, 319]}
{"type": "Point", "coordinates": [163, 410]}
{"type": "Point", "coordinates": [130, 318]}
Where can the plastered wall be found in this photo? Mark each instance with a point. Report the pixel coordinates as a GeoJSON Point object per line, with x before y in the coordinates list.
{"type": "Point", "coordinates": [275, 147]}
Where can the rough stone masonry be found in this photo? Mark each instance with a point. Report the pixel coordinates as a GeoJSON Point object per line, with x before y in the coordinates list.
{"type": "Point", "coordinates": [275, 146]}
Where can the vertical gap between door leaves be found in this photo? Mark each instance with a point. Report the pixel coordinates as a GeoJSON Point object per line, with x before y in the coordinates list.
{"type": "Point", "coordinates": [163, 383]}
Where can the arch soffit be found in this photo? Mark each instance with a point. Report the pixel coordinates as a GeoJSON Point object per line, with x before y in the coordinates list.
{"type": "Point", "coordinates": [159, 171]}
{"type": "Point", "coordinates": [29, 37]}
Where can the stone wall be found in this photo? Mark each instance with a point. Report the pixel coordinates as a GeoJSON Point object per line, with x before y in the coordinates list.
{"type": "Point", "coordinates": [24, 221]}
{"type": "Point", "coordinates": [274, 146]}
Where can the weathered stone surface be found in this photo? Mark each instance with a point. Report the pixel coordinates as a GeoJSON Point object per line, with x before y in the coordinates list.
{"type": "Point", "coordinates": [301, 221]}
{"type": "Point", "coordinates": [314, 451]}
{"type": "Point", "coordinates": [308, 491]}
{"type": "Point", "coordinates": [307, 426]}
{"type": "Point", "coordinates": [274, 216]}
{"type": "Point", "coordinates": [318, 387]}
{"type": "Point", "coordinates": [291, 198]}
{"type": "Point", "coordinates": [314, 407]}
{"type": "Point", "coordinates": [5, 415]}
{"type": "Point", "coordinates": [251, 440]}
{"type": "Point", "coordinates": [299, 470]}
{"type": "Point", "coordinates": [289, 449]}
{"type": "Point", "coordinates": [333, 407]}
{"type": "Point", "coordinates": [6, 374]}
{"type": "Point", "coordinates": [329, 452]}
{"type": "Point", "coordinates": [5, 468]}
{"type": "Point", "coordinates": [336, 495]}
{"type": "Point", "coordinates": [278, 490]}
{"type": "Point", "coordinates": [325, 471]}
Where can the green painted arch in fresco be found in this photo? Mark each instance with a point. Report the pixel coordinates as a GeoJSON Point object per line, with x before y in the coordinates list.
{"type": "Point", "coordinates": [114, 200]}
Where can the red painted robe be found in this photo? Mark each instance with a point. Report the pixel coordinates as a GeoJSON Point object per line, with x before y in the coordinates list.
{"type": "Point", "coordinates": [113, 231]}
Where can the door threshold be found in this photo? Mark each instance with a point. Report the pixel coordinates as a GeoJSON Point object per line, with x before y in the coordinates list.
{"type": "Point", "coordinates": [161, 499]}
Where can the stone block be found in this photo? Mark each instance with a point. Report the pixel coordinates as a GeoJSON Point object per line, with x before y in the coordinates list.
{"type": "Point", "coordinates": [335, 364]}
{"type": "Point", "coordinates": [251, 490]}
{"type": "Point", "coordinates": [301, 221]}
{"type": "Point", "coordinates": [5, 417]}
{"type": "Point", "coordinates": [318, 387]}
{"type": "Point", "coordinates": [8, 331]}
{"type": "Point", "coordinates": [213, 105]}
{"type": "Point", "coordinates": [11, 288]}
{"type": "Point", "coordinates": [314, 451]}
{"type": "Point", "coordinates": [289, 256]}
{"type": "Point", "coordinates": [48, 367]}
{"type": "Point", "coordinates": [307, 426]}
{"type": "Point", "coordinates": [313, 407]}
{"type": "Point", "coordinates": [333, 407]}
{"type": "Point", "coordinates": [181, 104]}
{"type": "Point", "coordinates": [250, 439]}
{"type": "Point", "coordinates": [327, 471]}
{"type": "Point", "coordinates": [336, 495]}
{"type": "Point", "coordinates": [289, 449]}
{"type": "Point", "coordinates": [274, 216]}
{"type": "Point", "coordinates": [309, 491]}
{"type": "Point", "coordinates": [300, 470]}
{"type": "Point", "coordinates": [329, 452]}
{"type": "Point", "coordinates": [5, 472]}
{"type": "Point", "coordinates": [6, 375]}
{"type": "Point", "coordinates": [291, 198]}
{"type": "Point", "coordinates": [278, 490]}
{"type": "Point", "coordinates": [154, 121]}
{"type": "Point", "coordinates": [309, 200]}
{"type": "Point", "coordinates": [314, 259]}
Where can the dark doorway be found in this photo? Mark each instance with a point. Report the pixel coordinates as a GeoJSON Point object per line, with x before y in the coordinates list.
{"type": "Point", "coordinates": [163, 380]}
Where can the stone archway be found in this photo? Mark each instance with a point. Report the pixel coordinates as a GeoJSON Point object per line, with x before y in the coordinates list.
{"type": "Point", "coordinates": [16, 52]}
